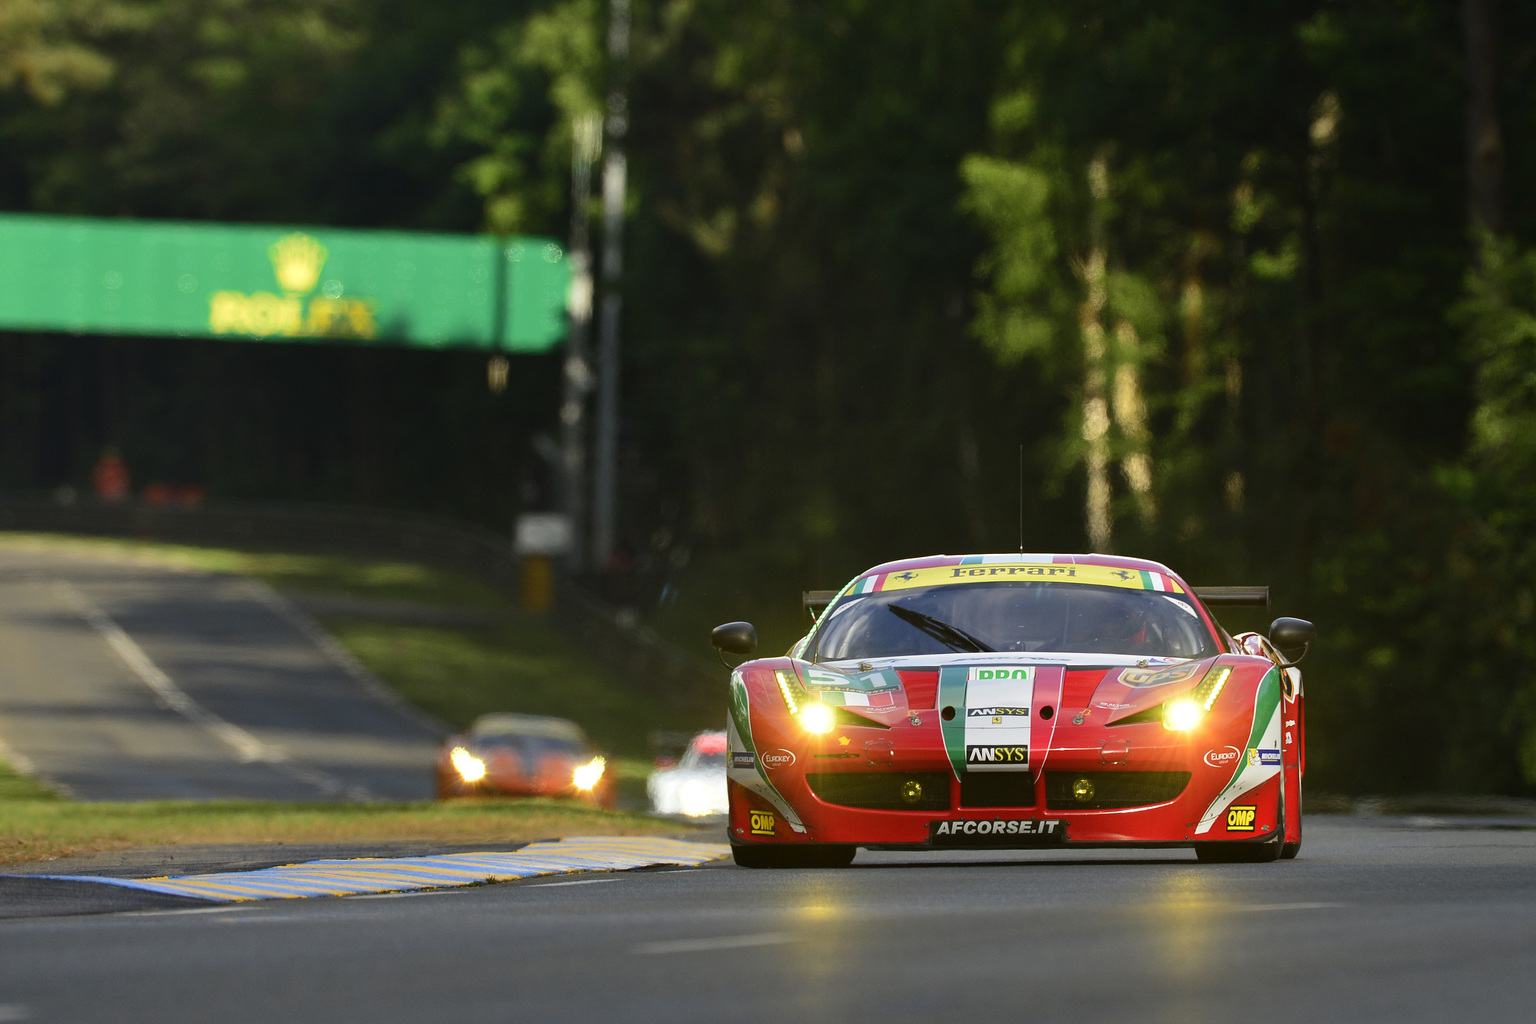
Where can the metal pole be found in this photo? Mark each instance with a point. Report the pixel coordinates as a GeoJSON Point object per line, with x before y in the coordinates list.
{"type": "Point", "coordinates": [586, 141]}
{"type": "Point", "coordinates": [605, 484]}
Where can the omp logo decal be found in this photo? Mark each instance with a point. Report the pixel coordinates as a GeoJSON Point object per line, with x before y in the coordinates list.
{"type": "Point", "coordinates": [1258, 756]}
{"type": "Point", "coordinates": [779, 758]}
{"type": "Point", "coordinates": [1223, 757]}
{"type": "Point", "coordinates": [995, 827]}
{"type": "Point", "coordinates": [1016, 753]}
{"type": "Point", "coordinates": [761, 822]}
{"type": "Point", "coordinates": [743, 759]}
{"type": "Point", "coordinates": [993, 712]}
{"type": "Point", "coordinates": [1240, 817]}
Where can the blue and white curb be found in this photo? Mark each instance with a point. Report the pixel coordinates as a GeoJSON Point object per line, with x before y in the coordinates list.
{"type": "Point", "coordinates": [396, 874]}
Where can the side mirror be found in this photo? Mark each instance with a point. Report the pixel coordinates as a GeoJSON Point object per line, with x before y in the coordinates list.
{"type": "Point", "coordinates": [1289, 634]}
{"type": "Point", "coordinates": [734, 638]}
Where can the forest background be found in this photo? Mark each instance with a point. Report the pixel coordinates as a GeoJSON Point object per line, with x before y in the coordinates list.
{"type": "Point", "coordinates": [1251, 284]}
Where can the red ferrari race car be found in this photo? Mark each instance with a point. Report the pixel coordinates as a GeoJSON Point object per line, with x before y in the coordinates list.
{"type": "Point", "coordinates": [523, 755]}
{"type": "Point", "coordinates": [1018, 701]}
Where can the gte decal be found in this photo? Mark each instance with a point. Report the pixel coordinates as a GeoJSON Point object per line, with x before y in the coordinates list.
{"type": "Point", "coordinates": [743, 759]}
{"type": "Point", "coordinates": [1239, 818]}
{"type": "Point", "coordinates": [761, 822]}
{"type": "Point", "coordinates": [1012, 712]}
{"type": "Point", "coordinates": [1016, 753]}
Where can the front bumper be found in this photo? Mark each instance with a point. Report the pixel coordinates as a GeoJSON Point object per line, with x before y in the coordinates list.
{"type": "Point", "coordinates": [1149, 788]}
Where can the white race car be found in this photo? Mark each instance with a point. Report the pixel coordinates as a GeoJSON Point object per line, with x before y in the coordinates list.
{"type": "Point", "coordinates": [696, 786]}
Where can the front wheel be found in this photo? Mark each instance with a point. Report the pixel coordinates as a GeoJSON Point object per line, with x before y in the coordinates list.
{"type": "Point", "coordinates": [1238, 853]}
{"type": "Point", "coordinates": [797, 856]}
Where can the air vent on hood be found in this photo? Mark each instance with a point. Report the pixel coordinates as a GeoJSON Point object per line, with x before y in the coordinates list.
{"type": "Point", "coordinates": [922, 686]}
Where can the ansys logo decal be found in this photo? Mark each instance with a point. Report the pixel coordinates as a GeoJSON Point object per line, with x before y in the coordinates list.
{"type": "Point", "coordinates": [1010, 712]}
{"type": "Point", "coordinates": [297, 260]}
{"type": "Point", "coordinates": [1016, 753]}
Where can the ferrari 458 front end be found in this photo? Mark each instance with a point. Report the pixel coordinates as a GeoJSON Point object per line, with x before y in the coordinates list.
{"type": "Point", "coordinates": [1163, 733]}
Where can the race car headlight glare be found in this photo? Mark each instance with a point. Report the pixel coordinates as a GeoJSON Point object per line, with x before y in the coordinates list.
{"type": "Point", "coordinates": [586, 776]}
{"type": "Point", "coordinates": [1182, 715]}
{"type": "Point", "coordinates": [817, 718]}
{"type": "Point", "coordinates": [1185, 713]}
{"type": "Point", "coordinates": [469, 767]}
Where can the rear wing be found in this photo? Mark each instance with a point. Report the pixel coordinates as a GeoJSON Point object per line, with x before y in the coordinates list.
{"type": "Point", "coordinates": [815, 601]}
{"type": "Point", "coordinates": [1228, 596]}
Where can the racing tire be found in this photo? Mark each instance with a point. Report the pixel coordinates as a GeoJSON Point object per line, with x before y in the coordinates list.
{"type": "Point", "coordinates": [1288, 851]}
{"type": "Point", "coordinates": [1238, 852]}
{"type": "Point", "coordinates": [798, 856]}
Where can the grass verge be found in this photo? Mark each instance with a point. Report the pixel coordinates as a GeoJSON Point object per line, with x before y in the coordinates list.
{"type": "Point", "coordinates": [38, 829]}
{"type": "Point", "coordinates": [355, 577]}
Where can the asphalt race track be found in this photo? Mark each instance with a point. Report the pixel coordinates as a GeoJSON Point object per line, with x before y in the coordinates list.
{"type": "Point", "coordinates": [124, 681]}
{"type": "Point", "coordinates": [1377, 921]}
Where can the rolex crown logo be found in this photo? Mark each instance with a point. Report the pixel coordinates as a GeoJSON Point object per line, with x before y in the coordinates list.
{"type": "Point", "coordinates": [297, 259]}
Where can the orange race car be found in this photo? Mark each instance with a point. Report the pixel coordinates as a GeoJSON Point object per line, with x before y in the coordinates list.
{"type": "Point", "coordinates": [524, 755]}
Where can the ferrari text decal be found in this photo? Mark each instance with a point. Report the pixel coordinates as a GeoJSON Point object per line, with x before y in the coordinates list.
{"type": "Point", "coordinates": [1240, 817]}
{"type": "Point", "coordinates": [1096, 575]}
{"type": "Point", "coordinates": [762, 822]}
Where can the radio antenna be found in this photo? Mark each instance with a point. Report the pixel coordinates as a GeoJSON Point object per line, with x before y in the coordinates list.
{"type": "Point", "coordinates": [1021, 497]}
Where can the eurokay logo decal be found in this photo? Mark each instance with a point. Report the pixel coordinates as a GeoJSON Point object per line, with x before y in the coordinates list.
{"type": "Point", "coordinates": [1223, 757]}
{"type": "Point", "coordinates": [779, 758]}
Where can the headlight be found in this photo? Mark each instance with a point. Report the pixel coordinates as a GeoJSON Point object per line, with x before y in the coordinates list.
{"type": "Point", "coordinates": [586, 776]}
{"type": "Point", "coordinates": [469, 767]}
{"type": "Point", "coordinates": [1181, 715]}
{"type": "Point", "coordinates": [696, 799]}
{"type": "Point", "coordinates": [817, 718]}
{"type": "Point", "coordinates": [1185, 713]}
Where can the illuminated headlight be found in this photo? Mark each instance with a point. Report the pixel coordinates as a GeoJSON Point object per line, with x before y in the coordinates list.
{"type": "Point", "coordinates": [586, 776]}
{"type": "Point", "coordinates": [469, 767]}
{"type": "Point", "coordinates": [1181, 715]}
{"type": "Point", "coordinates": [817, 718]}
{"type": "Point", "coordinates": [696, 799]}
{"type": "Point", "coordinates": [1185, 713]}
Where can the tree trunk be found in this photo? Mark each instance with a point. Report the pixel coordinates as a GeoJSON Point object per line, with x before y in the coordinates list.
{"type": "Point", "coordinates": [1485, 144]}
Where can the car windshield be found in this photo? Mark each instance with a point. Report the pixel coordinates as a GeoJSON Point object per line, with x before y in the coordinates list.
{"type": "Point", "coordinates": [532, 747]}
{"type": "Point", "coordinates": [1016, 616]}
{"type": "Point", "coordinates": [696, 760]}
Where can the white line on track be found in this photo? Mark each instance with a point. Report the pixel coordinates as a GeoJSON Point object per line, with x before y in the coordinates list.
{"type": "Point", "coordinates": [579, 881]}
{"type": "Point", "coordinates": [1287, 906]}
{"type": "Point", "coordinates": [405, 895]}
{"type": "Point", "coordinates": [185, 911]}
{"type": "Point", "coordinates": [247, 748]}
{"type": "Point", "coordinates": [719, 942]}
